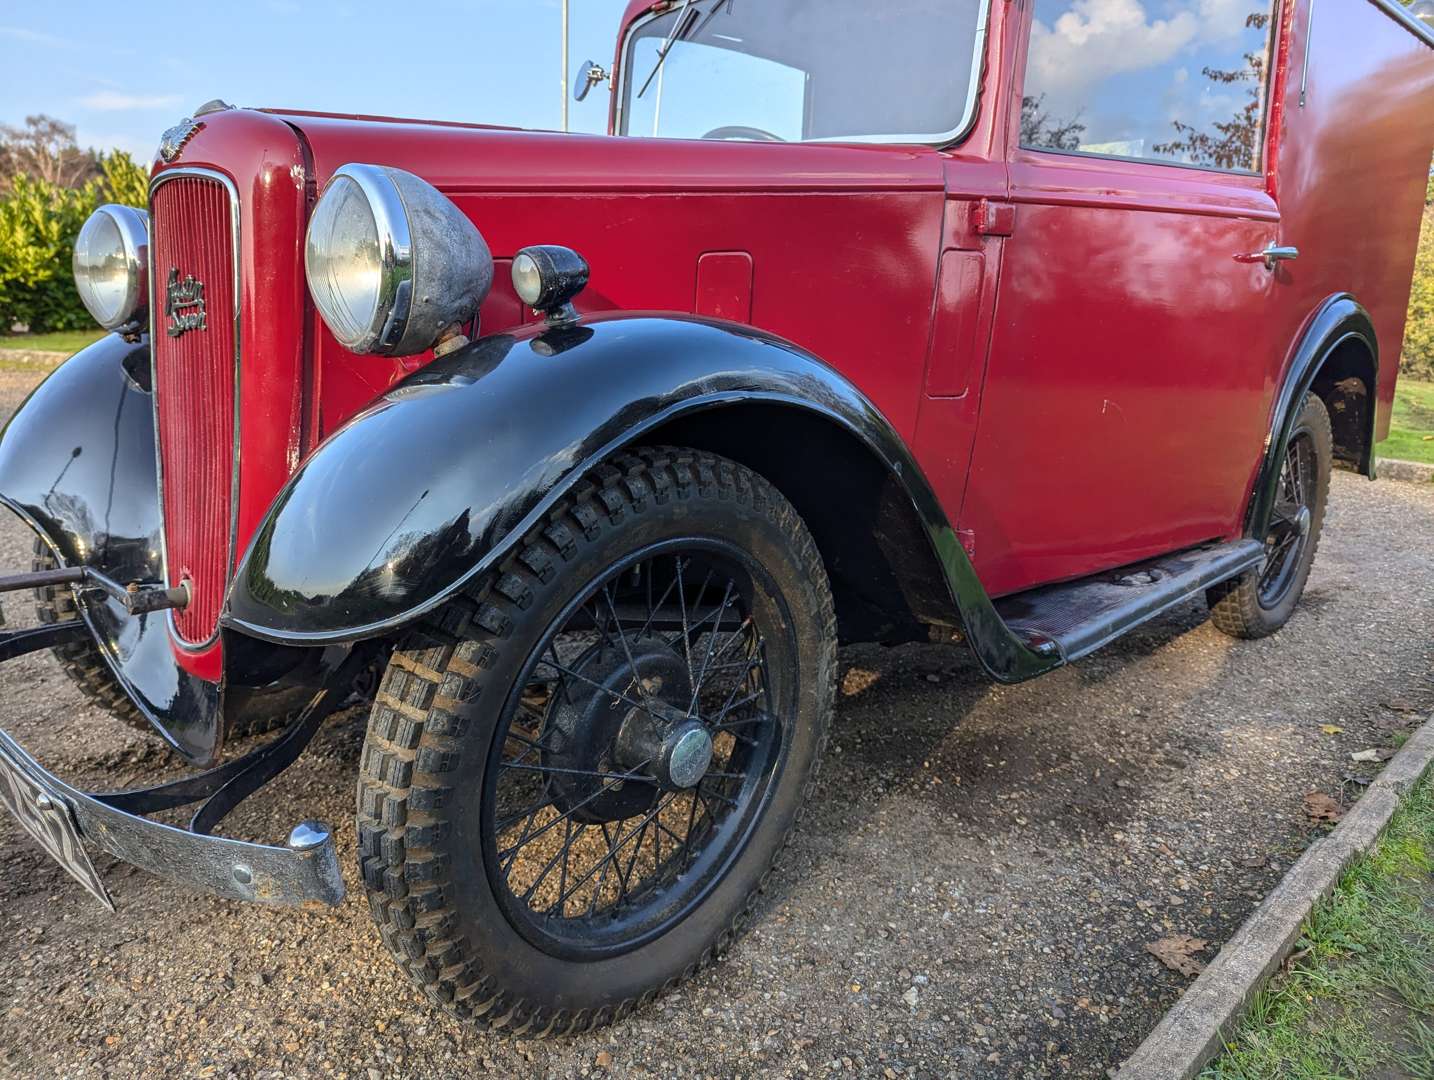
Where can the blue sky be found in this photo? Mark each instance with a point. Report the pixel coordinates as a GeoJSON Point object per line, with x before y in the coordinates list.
{"type": "Point", "coordinates": [1125, 67]}
{"type": "Point", "coordinates": [122, 74]}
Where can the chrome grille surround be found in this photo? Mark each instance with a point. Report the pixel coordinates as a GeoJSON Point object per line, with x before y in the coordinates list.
{"type": "Point", "coordinates": [157, 334]}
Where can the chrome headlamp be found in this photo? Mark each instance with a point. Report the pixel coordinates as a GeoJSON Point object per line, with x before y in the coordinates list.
{"type": "Point", "coordinates": [111, 265]}
{"type": "Point", "coordinates": [392, 264]}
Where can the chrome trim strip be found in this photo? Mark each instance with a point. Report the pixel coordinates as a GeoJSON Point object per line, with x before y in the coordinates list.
{"type": "Point", "coordinates": [1309, 42]}
{"type": "Point", "coordinates": [234, 219]}
{"type": "Point", "coordinates": [940, 141]}
{"type": "Point", "coordinates": [1399, 13]}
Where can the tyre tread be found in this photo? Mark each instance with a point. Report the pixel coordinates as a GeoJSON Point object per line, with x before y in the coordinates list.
{"type": "Point", "coordinates": [1235, 604]}
{"type": "Point", "coordinates": [400, 810]}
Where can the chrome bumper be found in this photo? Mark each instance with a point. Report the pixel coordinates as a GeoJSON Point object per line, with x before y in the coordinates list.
{"type": "Point", "coordinates": [305, 870]}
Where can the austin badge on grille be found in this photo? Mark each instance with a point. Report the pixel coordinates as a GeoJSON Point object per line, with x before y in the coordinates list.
{"type": "Point", "coordinates": [184, 303]}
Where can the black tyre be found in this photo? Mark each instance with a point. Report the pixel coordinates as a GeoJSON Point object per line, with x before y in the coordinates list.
{"type": "Point", "coordinates": [82, 662]}
{"type": "Point", "coordinates": [1258, 603]}
{"type": "Point", "coordinates": [578, 774]}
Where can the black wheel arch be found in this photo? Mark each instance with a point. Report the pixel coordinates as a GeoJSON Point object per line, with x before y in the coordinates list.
{"type": "Point", "coordinates": [887, 583]}
{"type": "Point", "coordinates": [1336, 357]}
{"type": "Point", "coordinates": [436, 480]}
{"type": "Point", "coordinates": [77, 465]}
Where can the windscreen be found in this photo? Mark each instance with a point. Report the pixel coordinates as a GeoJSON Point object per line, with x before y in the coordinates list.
{"type": "Point", "coordinates": [802, 70]}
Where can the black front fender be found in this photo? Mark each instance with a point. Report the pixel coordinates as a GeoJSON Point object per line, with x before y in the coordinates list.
{"type": "Point", "coordinates": [77, 463]}
{"type": "Point", "coordinates": [435, 481]}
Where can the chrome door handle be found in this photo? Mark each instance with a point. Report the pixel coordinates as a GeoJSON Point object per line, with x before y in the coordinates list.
{"type": "Point", "coordinates": [1271, 256]}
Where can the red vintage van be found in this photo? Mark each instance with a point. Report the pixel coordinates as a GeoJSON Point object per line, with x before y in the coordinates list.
{"type": "Point", "coordinates": [1018, 321]}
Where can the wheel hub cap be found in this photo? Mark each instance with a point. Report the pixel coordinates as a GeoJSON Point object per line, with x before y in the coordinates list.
{"type": "Point", "coordinates": [686, 754]}
{"type": "Point", "coordinates": [606, 731]}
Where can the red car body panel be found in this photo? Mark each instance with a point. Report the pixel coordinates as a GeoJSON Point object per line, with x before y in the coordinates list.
{"type": "Point", "coordinates": [265, 161]}
{"type": "Point", "coordinates": [1353, 170]}
{"type": "Point", "coordinates": [1083, 369]}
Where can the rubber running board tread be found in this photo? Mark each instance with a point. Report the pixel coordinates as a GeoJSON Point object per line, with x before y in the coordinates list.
{"type": "Point", "coordinates": [1082, 615]}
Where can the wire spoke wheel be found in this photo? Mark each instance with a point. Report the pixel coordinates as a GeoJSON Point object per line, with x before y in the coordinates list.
{"type": "Point", "coordinates": [580, 772]}
{"type": "Point", "coordinates": [636, 750]}
{"type": "Point", "coordinates": [1290, 522]}
{"type": "Point", "coordinates": [1260, 601]}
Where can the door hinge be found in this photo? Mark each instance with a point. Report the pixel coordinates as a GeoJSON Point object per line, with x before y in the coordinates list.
{"type": "Point", "coordinates": [991, 218]}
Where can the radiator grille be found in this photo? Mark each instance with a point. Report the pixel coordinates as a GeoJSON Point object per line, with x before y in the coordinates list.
{"type": "Point", "coordinates": [194, 345]}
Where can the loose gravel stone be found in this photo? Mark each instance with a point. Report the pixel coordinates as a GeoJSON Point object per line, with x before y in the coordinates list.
{"type": "Point", "coordinates": [971, 893]}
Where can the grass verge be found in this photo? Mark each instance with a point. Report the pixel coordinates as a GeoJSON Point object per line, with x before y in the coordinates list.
{"type": "Point", "coordinates": [1411, 430]}
{"type": "Point", "coordinates": [1359, 1000]}
{"type": "Point", "coordinates": [61, 341]}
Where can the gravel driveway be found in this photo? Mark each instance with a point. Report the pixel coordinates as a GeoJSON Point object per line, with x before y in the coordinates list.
{"type": "Point", "coordinates": [971, 894]}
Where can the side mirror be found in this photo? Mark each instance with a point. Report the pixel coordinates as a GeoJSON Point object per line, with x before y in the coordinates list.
{"type": "Point", "coordinates": [589, 75]}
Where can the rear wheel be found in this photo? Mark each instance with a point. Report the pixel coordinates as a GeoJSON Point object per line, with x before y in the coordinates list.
{"type": "Point", "coordinates": [578, 774]}
{"type": "Point", "coordinates": [1258, 603]}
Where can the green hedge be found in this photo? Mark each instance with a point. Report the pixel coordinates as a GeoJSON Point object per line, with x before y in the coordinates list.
{"type": "Point", "coordinates": [1418, 358]}
{"type": "Point", "coordinates": [38, 225]}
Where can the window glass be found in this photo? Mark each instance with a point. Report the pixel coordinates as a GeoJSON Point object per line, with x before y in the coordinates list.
{"type": "Point", "coordinates": [1180, 81]}
{"type": "Point", "coordinates": [803, 70]}
{"type": "Point", "coordinates": [680, 104]}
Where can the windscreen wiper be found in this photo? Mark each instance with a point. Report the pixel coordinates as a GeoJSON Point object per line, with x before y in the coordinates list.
{"type": "Point", "coordinates": [686, 19]}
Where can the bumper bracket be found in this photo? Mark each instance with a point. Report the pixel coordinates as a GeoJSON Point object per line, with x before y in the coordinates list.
{"type": "Point", "coordinates": [304, 870]}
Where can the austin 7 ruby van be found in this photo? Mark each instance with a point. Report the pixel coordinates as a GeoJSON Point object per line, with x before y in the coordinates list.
{"type": "Point", "coordinates": [1010, 321]}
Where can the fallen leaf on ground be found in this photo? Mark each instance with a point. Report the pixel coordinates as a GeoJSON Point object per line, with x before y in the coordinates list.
{"type": "Point", "coordinates": [1320, 807]}
{"type": "Point", "coordinates": [1177, 952]}
{"type": "Point", "coordinates": [604, 1060]}
{"type": "Point", "coordinates": [857, 680]}
{"type": "Point", "coordinates": [1373, 754]}
{"type": "Point", "coordinates": [1400, 705]}
{"type": "Point", "coordinates": [1331, 729]}
{"type": "Point", "coordinates": [1393, 721]}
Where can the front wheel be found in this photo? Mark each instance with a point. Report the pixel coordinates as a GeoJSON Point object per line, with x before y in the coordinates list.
{"type": "Point", "coordinates": [1259, 602]}
{"type": "Point", "coordinates": [578, 774]}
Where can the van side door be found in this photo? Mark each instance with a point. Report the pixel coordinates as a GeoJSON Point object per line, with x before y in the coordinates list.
{"type": "Point", "coordinates": [1137, 328]}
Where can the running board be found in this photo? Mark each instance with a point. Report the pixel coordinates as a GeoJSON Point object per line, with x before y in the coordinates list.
{"type": "Point", "coordinates": [1080, 616]}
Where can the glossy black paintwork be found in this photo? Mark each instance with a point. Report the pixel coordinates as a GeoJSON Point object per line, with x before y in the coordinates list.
{"type": "Point", "coordinates": [437, 479]}
{"type": "Point", "coordinates": [77, 462]}
{"type": "Point", "coordinates": [563, 273]}
{"type": "Point", "coordinates": [1339, 320]}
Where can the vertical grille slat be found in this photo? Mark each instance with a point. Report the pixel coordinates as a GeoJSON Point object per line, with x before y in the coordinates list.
{"type": "Point", "coordinates": [194, 391]}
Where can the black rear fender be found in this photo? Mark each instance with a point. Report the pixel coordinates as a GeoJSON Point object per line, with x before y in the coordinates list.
{"type": "Point", "coordinates": [1337, 358]}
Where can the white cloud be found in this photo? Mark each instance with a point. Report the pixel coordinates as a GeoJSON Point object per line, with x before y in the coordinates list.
{"type": "Point", "coordinates": [115, 101]}
{"type": "Point", "coordinates": [34, 37]}
{"type": "Point", "coordinates": [1096, 39]}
